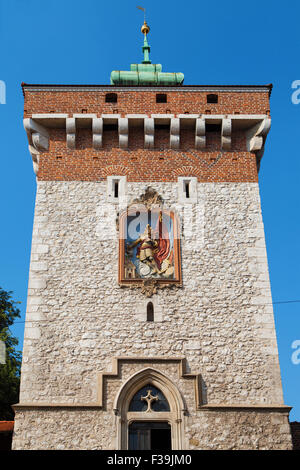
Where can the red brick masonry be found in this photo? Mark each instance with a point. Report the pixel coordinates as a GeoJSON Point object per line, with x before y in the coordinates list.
{"type": "Point", "coordinates": [158, 164]}
{"type": "Point", "coordinates": [6, 432]}
{"type": "Point", "coordinates": [6, 426]}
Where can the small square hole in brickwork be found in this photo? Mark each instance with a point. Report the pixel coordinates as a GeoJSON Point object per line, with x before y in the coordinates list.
{"type": "Point", "coordinates": [84, 111]}
{"type": "Point", "coordinates": [111, 98]}
{"type": "Point", "coordinates": [212, 98]}
{"type": "Point", "coordinates": [161, 98]}
{"type": "Point", "coordinates": [59, 157]}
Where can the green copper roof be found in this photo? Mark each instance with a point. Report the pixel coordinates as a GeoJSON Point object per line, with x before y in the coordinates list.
{"type": "Point", "coordinates": [145, 73]}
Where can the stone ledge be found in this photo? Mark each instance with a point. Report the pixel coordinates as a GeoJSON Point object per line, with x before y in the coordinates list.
{"type": "Point", "coordinates": [245, 407]}
{"type": "Point", "coordinates": [23, 406]}
{"type": "Point", "coordinates": [208, 407]}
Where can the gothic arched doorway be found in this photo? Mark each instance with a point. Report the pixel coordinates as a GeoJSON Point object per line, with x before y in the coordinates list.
{"type": "Point", "coordinates": [150, 413]}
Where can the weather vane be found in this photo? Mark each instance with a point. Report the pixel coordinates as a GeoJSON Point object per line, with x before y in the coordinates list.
{"type": "Point", "coordinates": [145, 28]}
{"type": "Point", "coordinates": [144, 10]}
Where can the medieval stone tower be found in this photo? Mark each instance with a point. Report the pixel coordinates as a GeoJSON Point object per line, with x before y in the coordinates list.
{"type": "Point", "coordinates": [149, 322]}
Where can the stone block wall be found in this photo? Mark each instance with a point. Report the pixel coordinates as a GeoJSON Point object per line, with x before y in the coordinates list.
{"type": "Point", "coordinates": [221, 320]}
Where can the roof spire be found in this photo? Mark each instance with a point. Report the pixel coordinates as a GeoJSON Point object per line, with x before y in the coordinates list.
{"type": "Point", "coordinates": [145, 30]}
{"type": "Point", "coordinates": [146, 48]}
{"type": "Point", "coordinates": [145, 73]}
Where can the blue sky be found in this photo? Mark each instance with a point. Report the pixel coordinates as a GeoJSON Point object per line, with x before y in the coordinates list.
{"type": "Point", "coordinates": [233, 42]}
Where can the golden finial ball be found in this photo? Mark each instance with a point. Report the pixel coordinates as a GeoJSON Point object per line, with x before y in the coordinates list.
{"type": "Point", "coordinates": [145, 28]}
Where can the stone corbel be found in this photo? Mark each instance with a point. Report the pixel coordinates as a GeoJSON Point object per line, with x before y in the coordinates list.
{"type": "Point", "coordinates": [257, 134]}
{"type": "Point", "coordinates": [200, 137]}
{"type": "Point", "coordinates": [149, 133]}
{"type": "Point", "coordinates": [226, 134]}
{"type": "Point", "coordinates": [123, 133]}
{"type": "Point", "coordinates": [35, 155]}
{"type": "Point", "coordinates": [38, 135]}
{"type": "Point", "coordinates": [175, 133]}
{"type": "Point", "coordinates": [71, 133]}
{"type": "Point", "coordinates": [256, 137]}
{"type": "Point", "coordinates": [38, 138]}
{"type": "Point", "coordinates": [97, 126]}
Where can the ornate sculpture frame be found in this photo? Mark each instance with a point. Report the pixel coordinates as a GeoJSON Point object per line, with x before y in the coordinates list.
{"type": "Point", "coordinates": [150, 285]}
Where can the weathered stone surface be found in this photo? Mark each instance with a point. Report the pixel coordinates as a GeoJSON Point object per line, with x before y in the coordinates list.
{"type": "Point", "coordinates": [67, 429]}
{"type": "Point", "coordinates": [221, 320]}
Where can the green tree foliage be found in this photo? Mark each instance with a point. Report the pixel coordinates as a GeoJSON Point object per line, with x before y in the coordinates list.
{"type": "Point", "coordinates": [10, 371]}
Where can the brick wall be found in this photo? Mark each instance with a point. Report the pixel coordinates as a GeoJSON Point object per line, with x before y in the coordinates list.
{"type": "Point", "coordinates": [159, 164]}
{"type": "Point", "coordinates": [6, 432]}
{"type": "Point", "coordinates": [144, 102]}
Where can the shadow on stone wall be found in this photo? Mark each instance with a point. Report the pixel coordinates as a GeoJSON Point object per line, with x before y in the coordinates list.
{"type": "Point", "coordinates": [295, 431]}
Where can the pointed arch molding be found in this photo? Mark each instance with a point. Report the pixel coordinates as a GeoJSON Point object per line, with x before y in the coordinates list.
{"type": "Point", "coordinates": [141, 377]}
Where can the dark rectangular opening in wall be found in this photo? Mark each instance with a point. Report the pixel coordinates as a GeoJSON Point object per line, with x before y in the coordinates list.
{"type": "Point", "coordinates": [110, 136]}
{"type": "Point", "coordinates": [160, 127]}
{"type": "Point", "coordinates": [111, 98]}
{"type": "Point", "coordinates": [187, 189]}
{"type": "Point", "coordinates": [116, 188]}
{"type": "Point", "coordinates": [162, 135]}
{"type": "Point", "coordinates": [110, 127]}
{"type": "Point", "coordinates": [161, 98]}
{"type": "Point", "coordinates": [212, 98]}
{"type": "Point", "coordinates": [213, 127]}
{"type": "Point", "coordinates": [149, 436]}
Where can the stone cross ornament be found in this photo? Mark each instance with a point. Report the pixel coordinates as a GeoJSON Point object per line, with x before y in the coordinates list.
{"type": "Point", "coordinates": [149, 399]}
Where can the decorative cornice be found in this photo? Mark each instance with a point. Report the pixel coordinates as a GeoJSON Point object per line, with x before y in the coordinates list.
{"type": "Point", "coordinates": [148, 199]}
{"type": "Point", "coordinates": [244, 407]}
{"type": "Point", "coordinates": [183, 88]}
{"type": "Point", "coordinates": [149, 286]}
